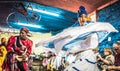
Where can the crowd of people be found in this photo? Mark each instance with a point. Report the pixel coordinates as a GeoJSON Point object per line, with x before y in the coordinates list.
{"type": "Point", "coordinates": [15, 52]}
{"type": "Point", "coordinates": [54, 62]}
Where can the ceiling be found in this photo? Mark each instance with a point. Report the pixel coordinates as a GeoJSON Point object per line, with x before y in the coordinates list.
{"type": "Point", "coordinates": [45, 15]}
{"type": "Point", "coordinates": [73, 5]}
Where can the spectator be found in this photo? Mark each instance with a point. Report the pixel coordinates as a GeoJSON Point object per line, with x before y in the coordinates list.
{"type": "Point", "coordinates": [116, 47]}
{"type": "Point", "coordinates": [107, 60]}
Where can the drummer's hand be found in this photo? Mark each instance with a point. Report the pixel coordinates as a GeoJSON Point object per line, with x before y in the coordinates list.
{"type": "Point", "coordinates": [99, 56]}
{"type": "Point", "coordinates": [111, 67]}
{"type": "Point", "coordinates": [24, 56]}
{"type": "Point", "coordinates": [23, 48]}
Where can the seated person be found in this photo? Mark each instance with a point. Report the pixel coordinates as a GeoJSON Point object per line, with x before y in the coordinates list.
{"type": "Point", "coordinates": [107, 60]}
{"type": "Point", "coordinates": [116, 47]}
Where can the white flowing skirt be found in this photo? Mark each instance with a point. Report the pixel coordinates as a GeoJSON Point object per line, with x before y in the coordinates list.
{"type": "Point", "coordinates": [86, 61]}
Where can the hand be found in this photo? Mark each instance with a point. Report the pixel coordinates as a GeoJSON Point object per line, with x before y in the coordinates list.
{"type": "Point", "coordinates": [98, 59]}
{"type": "Point", "coordinates": [24, 56]}
{"type": "Point", "coordinates": [99, 56]}
{"type": "Point", "coordinates": [111, 67]}
{"type": "Point", "coordinates": [22, 48]}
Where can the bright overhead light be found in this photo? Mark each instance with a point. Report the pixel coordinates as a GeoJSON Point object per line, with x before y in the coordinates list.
{"type": "Point", "coordinates": [30, 25]}
{"type": "Point", "coordinates": [45, 12]}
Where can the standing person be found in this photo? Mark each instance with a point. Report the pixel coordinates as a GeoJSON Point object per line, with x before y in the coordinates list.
{"type": "Point", "coordinates": [116, 67]}
{"type": "Point", "coordinates": [62, 66]}
{"type": "Point", "coordinates": [19, 48]}
{"type": "Point", "coordinates": [107, 60]}
{"type": "Point", "coordinates": [3, 52]}
{"type": "Point", "coordinates": [85, 60]}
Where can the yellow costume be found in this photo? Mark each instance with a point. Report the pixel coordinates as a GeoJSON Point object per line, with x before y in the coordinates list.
{"type": "Point", "coordinates": [3, 53]}
{"type": "Point", "coordinates": [51, 64]}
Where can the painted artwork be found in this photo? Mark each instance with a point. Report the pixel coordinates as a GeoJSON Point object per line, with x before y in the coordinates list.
{"type": "Point", "coordinates": [54, 28]}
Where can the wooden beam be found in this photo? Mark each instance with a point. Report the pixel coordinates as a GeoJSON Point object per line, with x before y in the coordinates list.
{"type": "Point", "coordinates": [95, 12]}
{"type": "Point", "coordinates": [107, 4]}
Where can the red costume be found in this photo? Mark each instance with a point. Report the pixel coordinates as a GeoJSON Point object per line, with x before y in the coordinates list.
{"type": "Point", "coordinates": [14, 48]}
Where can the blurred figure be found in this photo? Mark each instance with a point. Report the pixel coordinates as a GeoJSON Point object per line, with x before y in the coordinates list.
{"type": "Point", "coordinates": [95, 50]}
{"type": "Point", "coordinates": [3, 52]}
{"type": "Point", "coordinates": [50, 65]}
{"type": "Point", "coordinates": [63, 64]}
{"type": "Point", "coordinates": [107, 60]}
{"type": "Point", "coordinates": [4, 41]}
{"type": "Point", "coordinates": [70, 58]}
{"type": "Point", "coordinates": [30, 62]}
{"type": "Point", "coordinates": [19, 49]}
{"type": "Point", "coordinates": [116, 47]}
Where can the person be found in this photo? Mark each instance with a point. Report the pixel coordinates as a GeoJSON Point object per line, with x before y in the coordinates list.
{"type": "Point", "coordinates": [96, 51]}
{"type": "Point", "coordinates": [70, 58]}
{"type": "Point", "coordinates": [3, 52]}
{"type": "Point", "coordinates": [85, 60]}
{"type": "Point", "coordinates": [107, 60]}
{"type": "Point", "coordinates": [63, 64]}
{"type": "Point", "coordinates": [19, 49]}
{"type": "Point", "coordinates": [116, 66]}
{"type": "Point", "coordinates": [51, 62]}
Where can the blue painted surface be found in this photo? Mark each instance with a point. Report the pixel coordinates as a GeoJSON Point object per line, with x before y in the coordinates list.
{"type": "Point", "coordinates": [42, 18]}
{"type": "Point", "coordinates": [110, 14]}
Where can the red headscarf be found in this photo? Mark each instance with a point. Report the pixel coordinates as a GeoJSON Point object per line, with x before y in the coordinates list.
{"type": "Point", "coordinates": [25, 29]}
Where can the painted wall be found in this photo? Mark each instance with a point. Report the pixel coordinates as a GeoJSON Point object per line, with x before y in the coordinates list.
{"type": "Point", "coordinates": [110, 14]}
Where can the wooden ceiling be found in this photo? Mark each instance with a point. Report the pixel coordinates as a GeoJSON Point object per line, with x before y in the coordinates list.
{"type": "Point", "coordinates": [73, 5]}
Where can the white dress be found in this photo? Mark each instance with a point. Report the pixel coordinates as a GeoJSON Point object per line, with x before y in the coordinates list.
{"type": "Point", "coordinates": [86, 61]}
